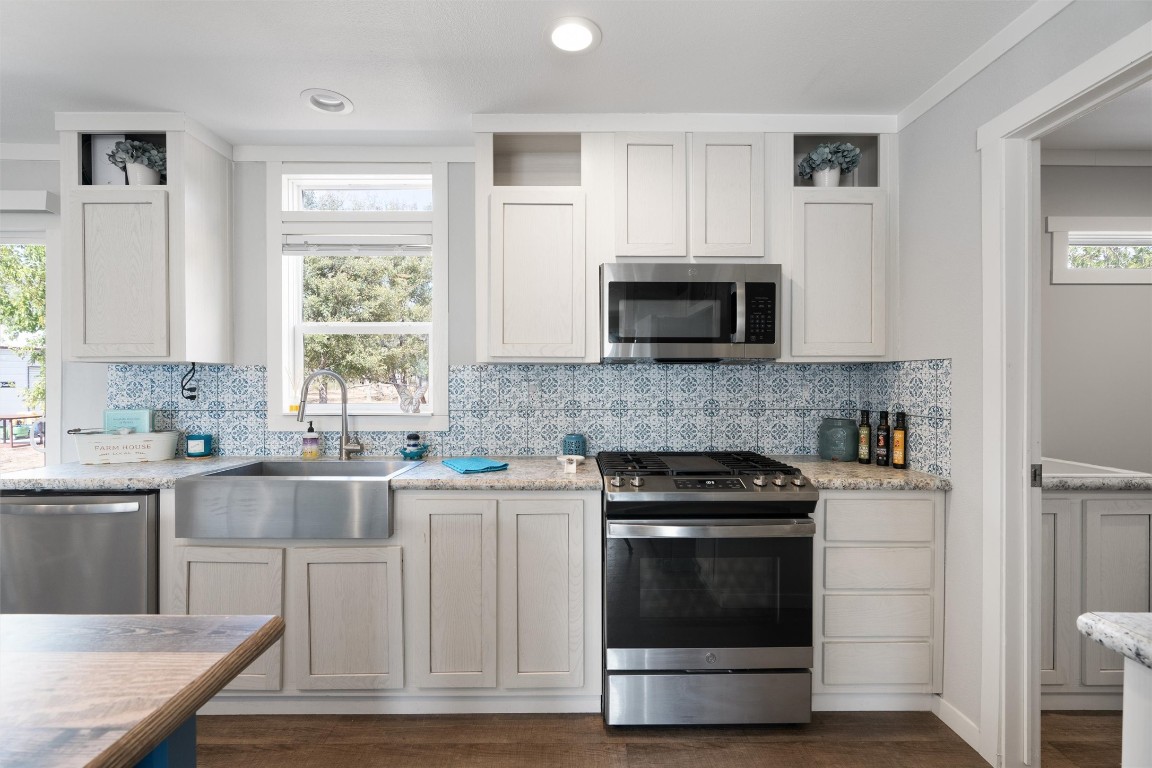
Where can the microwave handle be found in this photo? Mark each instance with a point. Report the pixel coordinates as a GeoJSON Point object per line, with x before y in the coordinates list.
{"type": "Point", "coordinates": [740, 313]}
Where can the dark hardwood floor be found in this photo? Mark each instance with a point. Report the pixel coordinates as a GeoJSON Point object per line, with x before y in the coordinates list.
{"type": "Point", "coordinates": [833, 740]}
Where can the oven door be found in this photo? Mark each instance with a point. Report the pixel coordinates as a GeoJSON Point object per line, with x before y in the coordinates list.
{"type": "Point", "coordinates": [708, 594]}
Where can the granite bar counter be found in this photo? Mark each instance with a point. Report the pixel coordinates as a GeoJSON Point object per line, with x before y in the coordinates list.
{"type": "Point", "coordinates": [527, 473]}
{"type": "Point", "coordinates": [1129, 634]}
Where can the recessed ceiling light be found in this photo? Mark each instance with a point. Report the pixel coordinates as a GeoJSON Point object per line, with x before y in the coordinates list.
{"type": "Point", "coordinates": [324, 100]}
{"type": "Point", "coordinates": [573, 34]}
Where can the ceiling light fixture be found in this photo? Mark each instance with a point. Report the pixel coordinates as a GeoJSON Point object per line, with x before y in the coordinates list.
{"type": "Point", "coordinates": [573, 34]}
{"type": "Point", "coordinates": [324, 100]}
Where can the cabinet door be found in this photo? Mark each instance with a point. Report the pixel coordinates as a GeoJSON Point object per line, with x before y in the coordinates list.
{"type": "Point", "coordinates": [1117, 553]}
{"type": "Point", "coordinates": [1059, 601]}
{"type": "Point", "coordinates": [453, 571]}
{"type": "Point", "coordinates": [651, 204]}
{"type": "Point", "coordinates": [346, 615]}
{"type": "Point", "coordinates": [541, 594]}
{"type": "Point", "coordinates": [537, 273]}
{"type": "Point", "coordinates": [838, 264]}
{"type": "Point", "coordinates": [234, 580]}
{"type": "Point", "coordinates": [117, 264]}
{"type": "Point", "coordinates": [726, 196]}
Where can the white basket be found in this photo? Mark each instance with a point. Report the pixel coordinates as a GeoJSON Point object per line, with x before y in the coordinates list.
{"type": "Point", "coordinates": [121, 449]}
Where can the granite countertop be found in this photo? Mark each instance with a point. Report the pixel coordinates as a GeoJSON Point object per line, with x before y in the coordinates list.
{"type": "Point", "coordinates": [524, 473]}
{"type": "Point", "coordinates": [1129, 634]}
{"type": "Point", "coordinates": [1129, 482]}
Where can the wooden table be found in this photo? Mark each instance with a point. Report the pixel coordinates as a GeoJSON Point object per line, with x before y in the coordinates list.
{"type": "Point", "coordinates": [110, 690]}
{"type": "Point", "coordinates": [7, 422]}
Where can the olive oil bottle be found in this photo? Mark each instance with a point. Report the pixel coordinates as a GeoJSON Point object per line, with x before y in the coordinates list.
{"type": "Point", "coordinates": [900, 441]}
{"type": "Point", "coordinates": [864, 452]}
{"type": "Point", "coordinates": [883, 441]}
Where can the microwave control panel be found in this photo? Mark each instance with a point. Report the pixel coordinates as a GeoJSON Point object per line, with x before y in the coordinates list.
{"type": "Point", "coordinates": [760, 320]}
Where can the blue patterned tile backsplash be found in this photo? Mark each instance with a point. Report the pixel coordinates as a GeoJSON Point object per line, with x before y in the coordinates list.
{"type": "Point", "coordinates": [511, 410]}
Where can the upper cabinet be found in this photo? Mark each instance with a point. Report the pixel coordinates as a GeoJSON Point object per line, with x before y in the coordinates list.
{"type": "Point", "coordinates": [147, 267]}
{"type": "Point", "coordinates": [699, 194]}
{"type": "Point", "coordinates": [542, 213]}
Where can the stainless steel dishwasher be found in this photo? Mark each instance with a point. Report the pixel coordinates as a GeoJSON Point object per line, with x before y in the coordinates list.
{"type": "Point", "coordinates": [78, 552]}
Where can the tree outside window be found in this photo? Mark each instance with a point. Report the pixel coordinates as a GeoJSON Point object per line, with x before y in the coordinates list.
{"type": "Point", "coordinates": [22, 305]}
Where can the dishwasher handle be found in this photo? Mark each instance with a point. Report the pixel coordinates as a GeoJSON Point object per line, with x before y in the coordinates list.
{"type": "Point", "coordinates": [110, 508]}
{"type": "Point", "coordinates": [711, 529]}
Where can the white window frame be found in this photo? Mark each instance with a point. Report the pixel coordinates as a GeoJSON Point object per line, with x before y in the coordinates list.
{"type": "Point", "coordinates": [1062, 274]}
{"type": "Point", "coordinates": [283, 338]}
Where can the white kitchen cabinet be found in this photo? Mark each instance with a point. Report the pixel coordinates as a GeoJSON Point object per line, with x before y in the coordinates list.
{"type": "Point", "coordinates": [726, 194]}
{"type": "Point", "coordinates": [536, 300]}
{"type": "Point", "coordinates": [838, 272]}
{"type": "Point", "coordinates": [699, 194]}
{"type": "Point", "coordinates": [1096, 555]}
{"type": "Point", "coordinates": [147, 270]}
{"type": "Point", "coordinates": [503, 590]}
{"type": "Point", "coordinates": [234, 580]}
{"type": "Point", "coordinates": [651, 194]}
{"type": "Point", "coordinates": [878, 594]}
{"type": "Point", "coordinates": [452, 575]}
{"type": "Point", "coordinates": [346, 621]}
{"type": "Point", "coordinates": [1117, 577]}
{"type": "Point", "coordinates": [541, 593]}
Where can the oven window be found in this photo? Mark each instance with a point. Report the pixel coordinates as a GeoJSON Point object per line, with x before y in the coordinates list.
{"type": "Point", "coordinates": [671, 312]}
{"type": "Point", "coordinates": [708, 593]}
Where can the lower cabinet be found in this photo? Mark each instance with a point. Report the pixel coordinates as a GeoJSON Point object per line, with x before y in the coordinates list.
{"type": "Point", "coordinates": [344, 621]}
{"type": "Point", "coordinates": [478, 621]}
{"type": "Point", "coordinates": [1096, 555]}
{"type": "Point", "coordinates": [879, 567]}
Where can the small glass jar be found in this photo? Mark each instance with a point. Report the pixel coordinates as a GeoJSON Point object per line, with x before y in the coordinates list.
{"type": "Point", "coordinates": [838, 439]}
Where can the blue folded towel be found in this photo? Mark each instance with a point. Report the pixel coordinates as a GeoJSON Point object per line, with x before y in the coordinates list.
{"type": "Point", "coordinates": [472, 464]}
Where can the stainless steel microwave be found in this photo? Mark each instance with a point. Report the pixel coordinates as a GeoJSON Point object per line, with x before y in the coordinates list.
{"type": "Point", "coordinates": [689, 312]}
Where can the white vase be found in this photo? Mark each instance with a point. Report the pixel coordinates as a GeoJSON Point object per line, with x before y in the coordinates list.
{"type": "Point", "coordinates": [829, 177]}
{"type": "Point", "coordinates": [141, 174]}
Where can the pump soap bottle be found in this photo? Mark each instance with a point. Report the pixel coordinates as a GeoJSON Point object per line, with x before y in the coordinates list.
{"type": "Point", "coordinates": [310, 448]}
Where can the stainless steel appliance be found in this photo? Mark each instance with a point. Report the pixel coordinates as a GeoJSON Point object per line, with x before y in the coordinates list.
{"type": "Point", "coordinates": [707, 589]}
{"type": "Point", "coordinates": [689, 311]}
{"type": "Point", "coordinates": [78, 553]}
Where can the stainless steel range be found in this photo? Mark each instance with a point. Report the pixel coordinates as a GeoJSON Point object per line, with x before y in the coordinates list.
{"type": "Point", "coordinates": [707, 589]}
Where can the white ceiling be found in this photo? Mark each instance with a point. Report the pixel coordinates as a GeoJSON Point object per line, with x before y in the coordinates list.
{"type": "Point", "coordinates": [419, 68]}
{"type": "Point", "coordinates": [1125, 123]}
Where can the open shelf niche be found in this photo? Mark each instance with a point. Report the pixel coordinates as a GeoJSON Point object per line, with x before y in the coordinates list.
{"type": "Point", "coordinates": [865, 175]}
{"type": "Point", "coordinates": [95, 170]}
{"type": "Point", "coordinates": [536, 160]}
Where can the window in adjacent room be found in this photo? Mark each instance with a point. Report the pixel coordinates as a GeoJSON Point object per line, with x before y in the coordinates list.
{"type": "Point", "coordinates": [1097, 249]}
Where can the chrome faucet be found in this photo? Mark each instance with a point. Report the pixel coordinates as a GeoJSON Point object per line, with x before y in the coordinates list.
{"type": "Point", "coordinates": [347, 447]}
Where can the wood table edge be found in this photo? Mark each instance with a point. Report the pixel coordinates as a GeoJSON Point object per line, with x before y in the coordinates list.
{"type": "Point", "coordinates": [147, 734]}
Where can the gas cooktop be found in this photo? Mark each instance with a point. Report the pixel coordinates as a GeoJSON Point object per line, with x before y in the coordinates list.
{"type": "Point", "coordinates": [698, 463]}
{"type": "Point", "coordinates": [673, 476]}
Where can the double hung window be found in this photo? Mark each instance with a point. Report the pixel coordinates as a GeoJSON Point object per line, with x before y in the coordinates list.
{"type": "Point", "coordinates": [358, 283]}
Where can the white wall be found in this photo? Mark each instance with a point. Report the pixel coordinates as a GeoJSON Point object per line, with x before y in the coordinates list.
{"type": "Point", "coordinates": [1096, 340]}
{"type": "Point", "coordinates": [939, 304]}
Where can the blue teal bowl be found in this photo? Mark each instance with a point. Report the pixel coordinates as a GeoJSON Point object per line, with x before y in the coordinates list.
{"type": "Point", "coordinates": [412, 454]}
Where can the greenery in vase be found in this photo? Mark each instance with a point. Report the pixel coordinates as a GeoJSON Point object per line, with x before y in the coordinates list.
{"type": "Point", "coordinates": [141, 152]}
{"type": "Point", "coordinates": [825, 156]}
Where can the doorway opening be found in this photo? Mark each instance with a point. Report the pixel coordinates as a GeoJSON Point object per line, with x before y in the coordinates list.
{"type": "Point", "coordinates": [23, 368]}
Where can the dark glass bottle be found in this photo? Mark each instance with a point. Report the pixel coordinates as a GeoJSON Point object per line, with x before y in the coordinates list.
{"type": "Point", "coordinates": [864, 452]}
{"type": "Point", "coordinates": [883, 441]}
{"type": "Point", "coordinates": [900, 441]}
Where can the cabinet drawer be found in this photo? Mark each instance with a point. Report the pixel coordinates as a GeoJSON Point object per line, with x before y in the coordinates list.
{"type": "Point", "coordinates": [877, 664]}
{"type": "Point", "coordinates": [878, 520]}
{"type": "Point", "coordinates": [877, 568]}
{"type": "Point", "coordinates": [877, 616]}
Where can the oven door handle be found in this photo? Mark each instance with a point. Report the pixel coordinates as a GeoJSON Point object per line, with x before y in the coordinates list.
{"type": "Point", "coordinates": [711, 529]}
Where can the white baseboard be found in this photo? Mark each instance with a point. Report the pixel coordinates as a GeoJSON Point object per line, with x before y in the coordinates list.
{"type": "Point", "coordinates": [408, 705]}
{"type": "Point", "coordinates": [1065, 701]}
{"type": "Point", "coordinates": [960, 724]}
{"type": "Point", "coordinates": [871, 702]}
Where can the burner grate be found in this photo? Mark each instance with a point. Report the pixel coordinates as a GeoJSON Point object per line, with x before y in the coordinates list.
{"type": "Point", "coordinates": [689, 463]}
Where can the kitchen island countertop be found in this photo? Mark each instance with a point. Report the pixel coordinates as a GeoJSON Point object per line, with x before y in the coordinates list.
{"type": "Point", "coordinates": [526, 473]}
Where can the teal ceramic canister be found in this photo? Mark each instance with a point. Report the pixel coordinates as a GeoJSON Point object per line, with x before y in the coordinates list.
{"type": "Point", "coordinates": [838, 439]}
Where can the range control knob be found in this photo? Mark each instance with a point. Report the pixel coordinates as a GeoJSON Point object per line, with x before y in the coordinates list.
{"type": "Point", "coordinates": [799, 481]}
{"type": "Point", "coordinates": [636, 482]}
{"type": "Point", "coordinates": [760, 481]}
{"type": "Point", "coordinates": [616, 481]}
{"type": "Point", "coordinates": [779, 481]}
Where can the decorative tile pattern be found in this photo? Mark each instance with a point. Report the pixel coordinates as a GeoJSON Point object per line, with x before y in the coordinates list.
{"type": "Point", "coordinates": [519, 409]}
